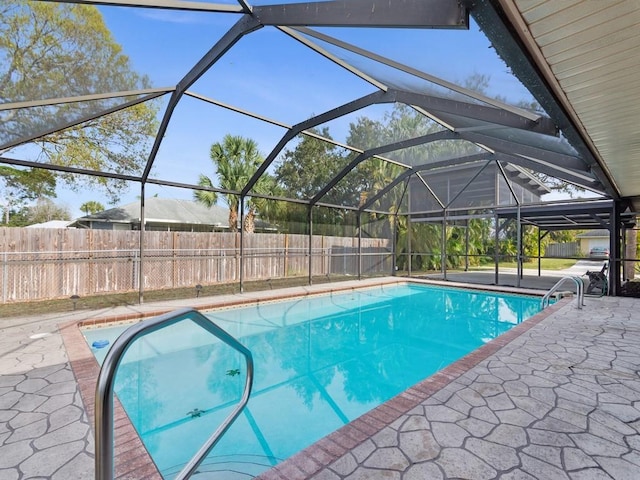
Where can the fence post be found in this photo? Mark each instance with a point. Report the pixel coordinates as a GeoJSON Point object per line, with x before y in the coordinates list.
{"type": "Point", "coordinates": [174, 270]}
{"type": "Point", "coordinates": [90, 288]}
{"type": "Point", "coordinates": [310, 246]}
{"type": "Point", "coordinates": [136, 267]}
{"type": "Point", "coordinates": [359, 245]}
{"type": "Point", "coordinates": [286, 255]}
{"type": "Point", "coordinates": [5, 276]}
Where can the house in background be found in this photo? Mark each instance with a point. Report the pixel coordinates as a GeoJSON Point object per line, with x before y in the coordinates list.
{"type": "Point", "coordinates": [52, 224]}
{"type": "Point", "coordinates": [164, 214]}
{"type": "Point", "coordinates": [592, 239]}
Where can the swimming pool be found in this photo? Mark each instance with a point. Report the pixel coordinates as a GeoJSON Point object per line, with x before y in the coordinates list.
{"type": "Point", "coordinates": [320, 362]}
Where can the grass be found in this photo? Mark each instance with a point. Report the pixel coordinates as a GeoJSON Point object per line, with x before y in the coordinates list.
{"type": "Point", "coordinates": [545, 264]}
{"type": "Point", "coordinates": [97, 302]}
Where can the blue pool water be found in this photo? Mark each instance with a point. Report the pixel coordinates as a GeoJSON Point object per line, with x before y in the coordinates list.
{"type": "Point", "coordinates": [320, 362]}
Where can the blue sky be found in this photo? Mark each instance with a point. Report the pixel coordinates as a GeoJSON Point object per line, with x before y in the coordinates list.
{"type": "Point", "coordinates": [272, 75]}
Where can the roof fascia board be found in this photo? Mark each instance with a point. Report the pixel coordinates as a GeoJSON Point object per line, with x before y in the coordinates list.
{"type": "Point", "coordinates": [572, 209]}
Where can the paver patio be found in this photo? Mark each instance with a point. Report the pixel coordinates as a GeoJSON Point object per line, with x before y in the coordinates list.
{"type": "Point", "coordinates": [557, 397]}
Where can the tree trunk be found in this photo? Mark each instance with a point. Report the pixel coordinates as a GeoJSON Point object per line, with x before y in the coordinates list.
{"type": "Point", "coordinates": [233, 220]}
{"type": "Point", "coordinates": [630, 252]}
{"type": "Point", "coordinates": [250, 221]}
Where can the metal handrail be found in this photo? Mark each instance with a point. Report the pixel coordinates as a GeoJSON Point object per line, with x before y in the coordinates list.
{"type": "Point", "coordinates": [106, 379]}
{"type": "Point", "coordinates": [579, 287]}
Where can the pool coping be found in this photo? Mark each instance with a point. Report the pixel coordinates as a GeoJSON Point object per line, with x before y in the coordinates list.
{"type": "Point", "coordinates": [132, 460]}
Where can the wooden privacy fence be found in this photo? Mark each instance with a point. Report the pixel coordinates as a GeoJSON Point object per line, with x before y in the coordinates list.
{"type": "Point", "coordinates": [568, 249]}
{"type": "Point", "coordinates": [39, 264]}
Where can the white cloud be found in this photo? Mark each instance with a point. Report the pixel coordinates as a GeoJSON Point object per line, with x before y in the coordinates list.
{"type": "Point", "coordinates": [172, 16]}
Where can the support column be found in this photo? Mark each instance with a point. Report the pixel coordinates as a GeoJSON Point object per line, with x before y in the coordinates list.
{"type": "Point", "coordinates": [409, 244]}
{"type": "Point", "coordinates": [614, 247]}
{"type": "Point", "coordinates": [539, 254]}
{"type": "Point", "coordinates": [141, 263]}
{"type": "Point", "coordinates": [394, 246]}
{"type": "Point", "coordinates": [466, 247]}
{"type": "Point", "coordinates": [496, 253]}
{"type": "Point", "coordinates": [623, 251]}
{"type": "Point", "coordinates": [310, 217]}
{"type": "Point", "coordinates": [443, 246]}
{"type": "Point", "coordinates": [519, 248]}
{"type": "Point", "coordinates": [408, 228]}
{"type": "Point", "coordinates": [359, 245]}
{"type": "Point", "coordinates": [241, 275]}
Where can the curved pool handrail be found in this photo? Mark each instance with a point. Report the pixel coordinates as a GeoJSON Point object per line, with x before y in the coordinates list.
{"type": "Point", "coordinates": [104, 389]}
{"type": "Point", "coordinates": [579, 291]}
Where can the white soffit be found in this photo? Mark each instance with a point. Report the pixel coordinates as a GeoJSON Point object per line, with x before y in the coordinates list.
{"type": "Point", "coordinates": [589, 52]}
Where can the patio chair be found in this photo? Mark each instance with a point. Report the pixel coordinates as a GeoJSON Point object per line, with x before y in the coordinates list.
{"type": "Point", "coordinates": [598, 281]}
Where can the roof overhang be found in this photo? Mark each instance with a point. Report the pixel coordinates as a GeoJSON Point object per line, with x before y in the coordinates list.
{"type": "Point", "coordinates": [577, 215]}
{"type": "Point", "coordinates": [578, 59]}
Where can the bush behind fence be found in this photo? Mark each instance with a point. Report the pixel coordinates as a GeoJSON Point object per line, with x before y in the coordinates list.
{"type": "Point", "coordinates": [40, 264]}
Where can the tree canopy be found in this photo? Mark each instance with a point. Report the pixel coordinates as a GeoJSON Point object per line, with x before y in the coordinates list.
{"type": "Point", "coordinates": [46, 210]}
{"type": "Point", "coordinates": [305, 169]}
{"type": "Point", "coordinates": [56, 50]}
{"type": "Point", "coordinates": [20, 186]}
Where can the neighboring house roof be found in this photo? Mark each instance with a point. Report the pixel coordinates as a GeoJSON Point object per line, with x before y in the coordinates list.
{"type": "Point", "coordinates": [165, 211]}
{"type": "Point", "coordinates": [51, 224]}
{"type": "Point", "coordinates": [594, 234]}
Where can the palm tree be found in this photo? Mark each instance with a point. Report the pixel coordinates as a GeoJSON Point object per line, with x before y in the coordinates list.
{"type": "Point", "coordinates": [236, 159]}
{"type": "Point", "coordinates": [91, 207]}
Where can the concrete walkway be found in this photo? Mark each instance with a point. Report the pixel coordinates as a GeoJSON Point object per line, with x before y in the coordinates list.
{"type": "Point", "coordinates": [507, 277]}
{"type": "Point", "coordinates": [557, 397]}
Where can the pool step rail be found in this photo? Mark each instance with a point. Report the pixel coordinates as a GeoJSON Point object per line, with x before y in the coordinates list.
{"type": "Point", "coordinates": [544, 303]}
{"type": "Point", "coordinates": [104, 433]}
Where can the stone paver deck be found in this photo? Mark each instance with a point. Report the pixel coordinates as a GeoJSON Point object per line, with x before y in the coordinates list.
{"type": "Point", "coordinates": [557, 397]}
{"type": "Point", "coordinates": [44, 429]}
